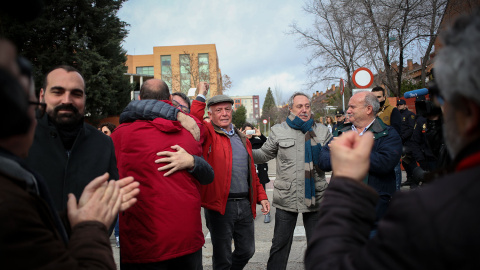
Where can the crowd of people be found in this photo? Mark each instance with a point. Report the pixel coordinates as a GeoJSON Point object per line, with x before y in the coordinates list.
{"type": "Point", "coordinates": [64, 185]}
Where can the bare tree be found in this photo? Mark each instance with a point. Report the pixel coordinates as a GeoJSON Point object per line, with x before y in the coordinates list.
{"type": "Point", "coordinates": [334, 40]}
{"type": "Point", "coordinates": [226, 83]}
{"type": "Point", "coordinates": [193, 69]}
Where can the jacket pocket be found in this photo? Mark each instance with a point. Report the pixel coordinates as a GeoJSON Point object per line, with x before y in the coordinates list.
{"type": "Point", "coordinates": [282, 185]}
{"type": "Point", "coordinates": [286, 150]}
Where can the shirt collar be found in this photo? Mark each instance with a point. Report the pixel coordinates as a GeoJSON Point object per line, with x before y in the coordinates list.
{"type": "Point", "coordinates": [364, 130]}
{"type": "Point", "coordinates": [231, 132]}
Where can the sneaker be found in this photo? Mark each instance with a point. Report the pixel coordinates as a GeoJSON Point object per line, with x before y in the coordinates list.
{"type": "Point", "coordinates": [267, 218]}
{"type": "Point", "coordinates": [117, 240]}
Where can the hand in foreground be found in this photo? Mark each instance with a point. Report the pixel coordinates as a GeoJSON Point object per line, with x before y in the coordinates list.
{"type": "Point", "coordinates": [100, 201]}
{"type": "Point", "coordinates": [265, 206]}
{"type": "Point", "coordinates": [350, 155]}
{"type": "Point", "coordinates": [128, 187]}
{"type": "Point", "coordinates": [202, 88]}
{"type": "Point", "coordinates": [189, 124]}
{"type": "Point", "coordinates": [129, 191]}
{"type": "Point", "coordinates": [178, 160]}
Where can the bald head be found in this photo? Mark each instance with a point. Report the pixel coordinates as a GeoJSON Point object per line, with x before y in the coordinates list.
{"type": "Point", "coordinates": [362, 108]}
{"type": "Point", "coordinates": [154, 89]}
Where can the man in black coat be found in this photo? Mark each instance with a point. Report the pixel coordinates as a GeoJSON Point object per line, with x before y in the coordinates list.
{"type": "Point", "coordinates": [67, 152]}
{"type": "Point", "coordinates": [435, 227]}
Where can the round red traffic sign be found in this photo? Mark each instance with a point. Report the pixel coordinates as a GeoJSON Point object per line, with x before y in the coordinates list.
{"type": "Point", "coordinates": [265, 121]}
{"type": "Point", "coordinates": [362, 77]}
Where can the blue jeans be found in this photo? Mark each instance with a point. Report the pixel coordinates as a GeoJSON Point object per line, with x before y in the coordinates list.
{"type": "Point", "coordinates": [236, 224]}
{"type": "Point", "coordinates": [117, 228]}
{"type": "Point", "coordinates": [398, 176]}
{"type": "Point", "coordinates": [285, 222]}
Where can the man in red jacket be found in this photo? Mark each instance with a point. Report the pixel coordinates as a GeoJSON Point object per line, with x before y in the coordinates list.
{"type": "Point", "coordinates": [164, 230]}
{"type": "Point", "coordinates": [230, 200]}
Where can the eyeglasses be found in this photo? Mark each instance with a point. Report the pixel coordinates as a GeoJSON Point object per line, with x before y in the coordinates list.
{"type": "Point", "coordinates": [184, 109]}
{"type": "Point", "coordinates": [39, 109]}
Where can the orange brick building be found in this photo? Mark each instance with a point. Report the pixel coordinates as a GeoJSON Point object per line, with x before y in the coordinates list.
{"type": "Point", "coordinates": [181, 67]}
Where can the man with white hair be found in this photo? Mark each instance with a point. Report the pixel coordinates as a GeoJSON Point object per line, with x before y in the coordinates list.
{"type": "Point", "coordinates": [362, 110]}
{"type": "Point", "coordinates": [435, 227]}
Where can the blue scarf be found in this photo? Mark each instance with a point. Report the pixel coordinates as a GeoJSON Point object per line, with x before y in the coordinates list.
{"type": "Point", "coordinates": [312, 154]}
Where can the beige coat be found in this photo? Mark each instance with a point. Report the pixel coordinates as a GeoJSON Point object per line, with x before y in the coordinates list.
{"type": "Point", "coordinates": [288, 146]}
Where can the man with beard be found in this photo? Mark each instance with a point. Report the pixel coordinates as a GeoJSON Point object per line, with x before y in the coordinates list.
{"type": "Point", "coordinates": [67, 152]}
{"type": "Point", "coordinates": [435, 227]}
{"type": "Point", "coordinates": [299, 186]}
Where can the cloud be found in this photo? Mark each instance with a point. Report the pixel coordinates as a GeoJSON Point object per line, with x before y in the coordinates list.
{"type": "Point", "coordinates": [250, 36]}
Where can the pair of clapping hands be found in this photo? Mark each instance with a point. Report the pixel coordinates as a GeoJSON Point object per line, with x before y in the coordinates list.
{"type": "Point", "coordinates": [101, 200]}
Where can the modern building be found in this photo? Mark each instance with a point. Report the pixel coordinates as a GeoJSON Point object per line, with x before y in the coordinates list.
{"type": "Point", "coordinates": [181, 67]}
{"type": "Point", "coordinates": [251, 104]}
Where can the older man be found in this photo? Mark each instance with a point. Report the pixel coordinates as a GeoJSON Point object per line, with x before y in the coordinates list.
{"type": "Point", "coordinates": [432, 228]}
{"type": "Point", "coordinates": [299, 186]}
{"type": "Point", "coordinates": [230, 201]}
{"type": "Point", "coordinates": [67, 152]}
{"type": "Point", "coordinates": [362, 110]}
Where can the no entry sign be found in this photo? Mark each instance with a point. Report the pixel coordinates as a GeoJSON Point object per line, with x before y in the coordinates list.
{"type": "Point", "coordinates": [362, 77]}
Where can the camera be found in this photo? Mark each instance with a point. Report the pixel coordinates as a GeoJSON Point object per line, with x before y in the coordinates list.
{"type": "Point", "coordinates": [250, 132]}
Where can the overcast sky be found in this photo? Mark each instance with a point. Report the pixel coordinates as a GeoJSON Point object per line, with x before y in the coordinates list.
{"type": "Point", "coordinates": [251, 38]}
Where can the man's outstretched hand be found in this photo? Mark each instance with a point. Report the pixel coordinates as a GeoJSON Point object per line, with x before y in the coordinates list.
{"type": "Point", "coordinates": [350, 155]}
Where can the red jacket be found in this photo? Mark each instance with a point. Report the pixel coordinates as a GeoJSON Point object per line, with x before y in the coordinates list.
{"type": "Point", "coordinates": [217, 150]}
{"type": "Point", "coordinates": [165, 223]}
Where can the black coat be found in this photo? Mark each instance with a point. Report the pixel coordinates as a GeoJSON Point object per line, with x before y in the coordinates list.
{"type": "Point", "coordinates": [262, 169]}
{"type": "Point", "coordinates": [92, 155]}
{"type": "Point", "coordinates": [408, 123]}
{"type": "Point", "coordinates": [435, 227]}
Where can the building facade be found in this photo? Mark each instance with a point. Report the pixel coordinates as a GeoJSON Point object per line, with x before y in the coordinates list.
{"type": "Point", "coordinates": [181, 67]}
{"type": "Point", "coordinates": [251, 104]}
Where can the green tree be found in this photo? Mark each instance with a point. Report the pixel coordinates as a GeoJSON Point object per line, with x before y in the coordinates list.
{"type": "Point", "coordinates": [269, 109]}
{"type": "Point", "coordinates": [239, 116]}
{"type": "Point", "coordinates": [86, 34]}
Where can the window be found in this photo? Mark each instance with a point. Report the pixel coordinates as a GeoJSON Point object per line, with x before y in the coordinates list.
{"type": "Point", "coordinates": [166, 70]}
{"type": "Point", "coordinates": [203, 67]}
{"type": "Point", "coordinates": [185, 73]}
{"type": "Point", "coordinates": [145, 71]}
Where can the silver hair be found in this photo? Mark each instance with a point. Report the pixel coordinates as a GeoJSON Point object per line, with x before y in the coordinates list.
{"type": "Point", "coordinates": [290, 100]}
{"type": "Point", "coordinates": [457, 66]}
{"type": "Point", "coordinates": [371, 99]}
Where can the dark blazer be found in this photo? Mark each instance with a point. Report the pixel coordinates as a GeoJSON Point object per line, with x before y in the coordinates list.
{"type": "Point", "coordinates": [385, 155]}
{"type": "Point", "coordinates": [92, 155]}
